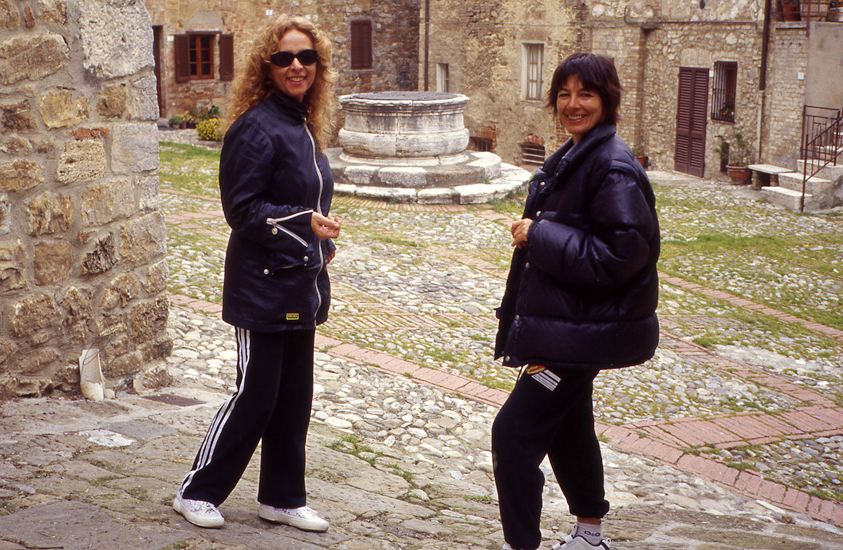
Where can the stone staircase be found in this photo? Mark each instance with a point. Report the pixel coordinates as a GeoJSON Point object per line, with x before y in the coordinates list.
{"type": "Point", "coordinates": [785, 186]}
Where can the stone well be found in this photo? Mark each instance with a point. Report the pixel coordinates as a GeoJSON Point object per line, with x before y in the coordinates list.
{"type": "Point", "coordinates": [411, 147]}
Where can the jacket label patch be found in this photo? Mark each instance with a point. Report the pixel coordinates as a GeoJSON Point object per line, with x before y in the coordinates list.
{"type": "Point", "coordinates": [292, 316]}
{"type": "Point", "coordinates": [543, 376]}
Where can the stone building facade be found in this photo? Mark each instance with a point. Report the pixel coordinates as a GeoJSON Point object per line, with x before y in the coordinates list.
{"type": "Point", "coordinates": [478, 49]}
{"type": "Point", "coordinates": [383, 35]}
{"type": "Point", "coordinates": [501, 54]}
{"type": "Point", "coordinates": [82, 240]}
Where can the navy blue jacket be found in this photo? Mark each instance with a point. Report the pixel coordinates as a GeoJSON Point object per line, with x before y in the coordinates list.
{"type": "Point", "coordinates": [583, 292]}
{"type": "Point", "coordinates": [272, 177]}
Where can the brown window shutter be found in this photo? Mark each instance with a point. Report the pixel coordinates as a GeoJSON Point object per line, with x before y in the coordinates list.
{"type": "Point", "coordinates": [226, 57]}
{"type": "Point", "coordinates": [182, 51]}
{"type": "Point", "coordinates": [684, 102]}
{"type": "Point", "coordinates": [361, 44]}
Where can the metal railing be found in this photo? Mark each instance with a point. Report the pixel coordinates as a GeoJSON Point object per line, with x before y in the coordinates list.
{"type": "Point", "coordinates": [821, 142]}
{"type": "Point", "coordinates": [813, 10]}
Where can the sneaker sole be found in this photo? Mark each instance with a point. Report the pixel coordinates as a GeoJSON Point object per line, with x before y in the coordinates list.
{"type": "Point", "coordinates": [195, 519]}
{"type": "Point", "coordinates": [305, 525]}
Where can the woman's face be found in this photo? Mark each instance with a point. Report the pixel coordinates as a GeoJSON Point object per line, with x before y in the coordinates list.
{"type": "Point", "coordinates": [296, 79]}
{"type": "Point", "coordinates": [579, 109]}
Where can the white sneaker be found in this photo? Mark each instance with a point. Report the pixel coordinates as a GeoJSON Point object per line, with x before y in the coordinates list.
{"type": "Point", "coordinates": [198, 512]}
{"type": "Point", "coordinates": [303, 518]}
{"type": "Point", "coordinates": [579, 543]}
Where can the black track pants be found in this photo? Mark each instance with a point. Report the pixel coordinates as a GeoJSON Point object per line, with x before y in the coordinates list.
{"type": "Point", "coordinates": [272, 405]}
{"type": "Point", "coordinates": [549, 413]}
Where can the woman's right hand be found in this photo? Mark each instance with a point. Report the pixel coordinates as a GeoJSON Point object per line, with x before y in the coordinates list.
{"type": "Point", "coordinates": [519, 232]}
{"type": "Point", "coordinates": [324, 227]}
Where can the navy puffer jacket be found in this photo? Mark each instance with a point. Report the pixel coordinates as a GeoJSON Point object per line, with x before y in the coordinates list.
{"type": "Point", "coordinates": [583, 292]}
{"type": "Point", "coordinates": [272, 177]}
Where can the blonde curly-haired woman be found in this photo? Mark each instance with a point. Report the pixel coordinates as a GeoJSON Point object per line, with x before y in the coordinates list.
{"type": "Point", "coordinates": [276, 189]}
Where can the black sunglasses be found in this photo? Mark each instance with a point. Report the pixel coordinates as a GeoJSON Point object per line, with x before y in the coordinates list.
{"type": "Point", "coordinates": [285, 59]}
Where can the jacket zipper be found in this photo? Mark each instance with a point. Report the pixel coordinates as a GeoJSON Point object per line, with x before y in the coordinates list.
{"type": "Point", "coordinates": [319, 210]}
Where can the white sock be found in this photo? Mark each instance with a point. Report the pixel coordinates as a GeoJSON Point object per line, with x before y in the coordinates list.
{"type": "Point", "coordinates": [592, 533]}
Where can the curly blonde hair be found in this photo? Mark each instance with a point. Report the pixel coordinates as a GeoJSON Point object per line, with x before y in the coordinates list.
{"type": "Point", "coordinates": [253, 84]}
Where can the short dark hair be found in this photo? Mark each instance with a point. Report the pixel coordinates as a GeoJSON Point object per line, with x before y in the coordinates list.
{"type": "Point", "coordinates": [597, 73]}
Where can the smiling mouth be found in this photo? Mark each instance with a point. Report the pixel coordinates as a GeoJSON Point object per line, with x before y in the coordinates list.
{"type": "Point", "coordinates": [576, 118]}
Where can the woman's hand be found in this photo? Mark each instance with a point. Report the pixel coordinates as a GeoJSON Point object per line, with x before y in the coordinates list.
{"type": "Point", "coordinates": [324, 227]}
{"type": "Point", "coordinates": [519, 232]}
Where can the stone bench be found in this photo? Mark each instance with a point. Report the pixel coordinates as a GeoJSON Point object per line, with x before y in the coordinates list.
{"type": "Point", "coordinates": [765, 174]}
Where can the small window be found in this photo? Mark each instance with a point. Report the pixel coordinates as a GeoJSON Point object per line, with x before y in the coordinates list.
{"type": "Point", "coordinates": [443, 80]}
{"type": "Point", "coordinates": [532, 153]}
{"type": "Point", "coordinates": [361, 45]}
{"type": "Point", "coordinates": [532, 74]}
{"type": "Point", "coordinates": [483, 145]}
{"type": "Point", "coordinates": [194, 56]}
{"type": "Point", "coordinates": [725, 91]}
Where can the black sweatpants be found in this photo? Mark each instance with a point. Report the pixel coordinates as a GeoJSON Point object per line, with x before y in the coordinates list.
{"type": "Point", "coordinates": [549, 413]}
{"type": "Point", "coordinates": [271, 405]}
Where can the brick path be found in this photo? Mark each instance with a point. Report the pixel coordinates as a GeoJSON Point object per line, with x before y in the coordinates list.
{"type": "Point", "coordinates": [667, 441]}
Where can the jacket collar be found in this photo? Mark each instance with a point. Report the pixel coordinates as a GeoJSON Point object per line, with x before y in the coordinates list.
{"type": "Point", "coordinates": [289, 104]}
{"type": "Point", "coordinates": [570, 155]}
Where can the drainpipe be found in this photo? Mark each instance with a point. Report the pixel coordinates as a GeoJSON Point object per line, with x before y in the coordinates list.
{"type": "Point", "coordinates": [426, 38]}
{"type": "Point", "coordinates": [762, 80]}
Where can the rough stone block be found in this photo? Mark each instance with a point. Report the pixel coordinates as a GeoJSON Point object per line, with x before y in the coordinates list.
{"type": "Point", "coordinates": [17, 117]}
{"type": "Point", "coordinates": [360, 175]}
{"type": "Point", "coordinates": [143, 240]}
{"type": "Point", "coordinates": [135, 148]}
{"type": "Point", "coordinates": [59, 109]}
{"type": "Point", "coordinates": [52, 262]}
{"type": "Point", "coordinates": [102, 257]}
{"type": "Point", "coordinates": [148, 191]}
{"type": "Point", "coordinates": [34, 313]}
{"type": "Point", "coordinates": [116, 38]}
{"type": "Point", "coordinates": [14, 145]}
{"type": "Point", "coordinates": [123, 365]}
{"type": "Point", "coordinates": [33, 362]}
{"type": "Point", "coordinates": [111, 103]}
{"type": "Point", "coordinates": [148, 319]}
{"type": "Point", "coordinates": [156, 278]}
{"type": "Point", "coordinates": [76, 303]}
{"type": "Point", "coordinates": [9, 16]}
{"type": "Point", "coordinates": [5, 215]}
{"type": "Point", "coordinates": [81, 161]}
{"type": "Point", "coordinates": [474, 194]}
{"type": "Point", "coordinates": [437, 196]}
{"type": "Point", "coordinates": [121, 290]}
{"type": "Point", "coordinates": [33, 57]}
{"type": "Point", "coordinates": [52, 11]}
{"type": "Point", "coordinates": [49, 213]}
{"type": "Point", "coordinates": [103, 203]}
{"type": "Point", "coordinates": [144, 105]}
{"type": "Point", "coordinates": [20, 174]}
{"type": "Point", "coordinates": [11, 267]}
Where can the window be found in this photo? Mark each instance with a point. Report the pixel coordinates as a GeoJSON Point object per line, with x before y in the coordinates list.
{"type": "Point", "coordinates": [480, 144]}
{"type": "Point", "coordinates": [725, 91]}
{"type": "Point", "coordinates": [532, 73]}
{"type": "Point", "coordinates": [361, 45]}
{"type": "Point", "coordinates": [532, 153]}
{"type": "Point", "coordinates": [195, 58]}
{"type": "Point", "coordinates": [443, 81]}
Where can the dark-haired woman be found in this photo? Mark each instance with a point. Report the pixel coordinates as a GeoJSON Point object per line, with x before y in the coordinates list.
{"type": "Point", "coordinates": [580, 297]}
{"type": "Point", "coordinates": [276, 188]}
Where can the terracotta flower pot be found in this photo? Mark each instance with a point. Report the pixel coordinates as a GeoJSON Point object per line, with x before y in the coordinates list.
{"type": "Point", "coordinates": [643, 160]}
{"type": "Point", "coordinates": [740, 175]}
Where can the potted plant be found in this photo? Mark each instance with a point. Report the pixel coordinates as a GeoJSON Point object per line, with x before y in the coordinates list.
{"type": "Point", "coordinates": [641, 156]}
{"type": "Point", "coordinates": [175, 121]}
{"type": "Point", "coordinates": [737, 153]}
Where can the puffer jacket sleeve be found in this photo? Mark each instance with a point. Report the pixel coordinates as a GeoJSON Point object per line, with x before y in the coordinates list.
{"type": "Point", "coordinates": [246, 168]}
{"type": "Point", "coordinates": [608, 249]}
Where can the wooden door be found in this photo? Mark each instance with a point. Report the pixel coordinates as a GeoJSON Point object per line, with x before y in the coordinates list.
{"type": "Point", "coordinates": [691, 118]}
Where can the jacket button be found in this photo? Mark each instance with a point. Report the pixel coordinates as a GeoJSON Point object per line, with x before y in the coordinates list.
{"type": "Point", "coordinates": [517, 317]}
{"type": "Point", "coordinates": [274, 230]}
{"type": "Point", "coordinates": [506, 358]}
{"type": "Point", "coordinates": [527, 264]}
{"type": "Point", "coordinates": [306, 259]}
{"type": "Point", "coordinates": [538, 213]}
{"type": "Point", "coordinates": [542, 183]}
{"type": "Point", "coordinates": [266, 272]}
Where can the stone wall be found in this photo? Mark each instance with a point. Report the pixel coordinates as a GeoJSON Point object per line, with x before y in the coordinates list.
{"type": "Point", "coordinates": [82, 240]}
{"type": "Point", "coordinates": [482, 44]}
{"type": "Point", "coordinates": [395, 41]}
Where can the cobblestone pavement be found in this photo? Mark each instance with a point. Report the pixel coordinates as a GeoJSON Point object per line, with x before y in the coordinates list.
{"type": "Point", "coordinates": [717, 443]}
